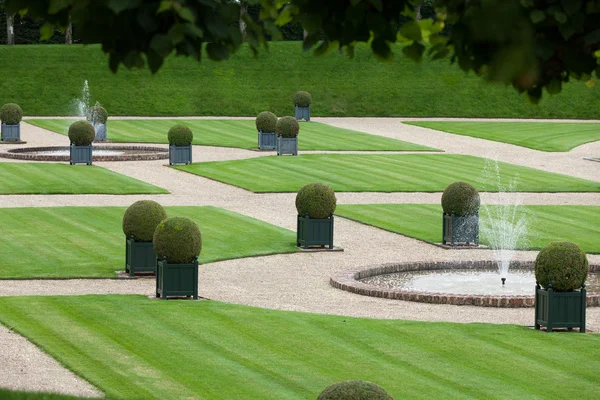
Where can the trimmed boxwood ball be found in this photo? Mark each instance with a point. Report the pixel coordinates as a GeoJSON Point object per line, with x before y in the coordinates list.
{"type": "Point", "coordinates": [11, 114]}
{"type": "Point", "coordinates": [302, 99]}
{"type": "Point", "coordinates": [180, 135]}
{"type": "Point", "coordinates": [317, 200]}
{"type": "Point", "coordinates": [287, 127]}
{"type": "Point", "coordinates": [142, 218]}
{"type": "Point", "coordinates": [97, 114]}
{"type": "Point", "coordinates": [81, 133]}
{"type": "Point", "coordinates": [562, 264]}
{"type": "Point", "coordinates": [178, 239]}
{"type": "Point", "coordinates": [266, 122]}
{"type": "Point", "coordinates": [354, 390]}
{"type": "Point", "coordinates": [461, 198]}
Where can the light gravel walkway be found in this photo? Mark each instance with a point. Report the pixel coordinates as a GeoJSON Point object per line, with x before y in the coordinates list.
{"type": "Point", "coordinates": [298, 281]}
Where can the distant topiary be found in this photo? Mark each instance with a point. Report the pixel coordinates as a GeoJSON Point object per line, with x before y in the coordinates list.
{"type": "Point", "coordinates": [317, 200]}
{"type": "Point", "coordinates": [302, 99]}
{"type": "Point", "coordinates": [460, 198]}
{"type": "Point", "coordinates": [97, 115]}
{"type": "Point", "coordinates": [562, 264]}
{"type": "Point", "coordinates": [180, 135]}
{"type": "Point", "coordinates": [11, 114]}
{"type": "Point", "coordinates": [266, 122]}
{"type": "Point", "coordinates": [178, 239]}
{"type": "Point", "coordinates": [81, 133]}
{"type": "Point", "coordinates": [142, 218]}
{"type": "Point", "coordinates": [354, 390]}
{"type": "Point", "coordinates": [287, 127]}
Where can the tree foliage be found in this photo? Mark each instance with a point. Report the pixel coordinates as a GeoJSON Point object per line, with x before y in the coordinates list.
{"type": "Point", "coordinates": [531, 44]}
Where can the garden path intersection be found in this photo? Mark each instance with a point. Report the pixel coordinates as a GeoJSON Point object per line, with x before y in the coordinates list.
{"type": "Point", "coordinates": [297, 281]}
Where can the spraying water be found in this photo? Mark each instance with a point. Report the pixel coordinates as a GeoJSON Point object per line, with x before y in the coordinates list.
{"type": "Point", "coordinates": [82, 104]}
{"type": "Point", "coordinates": [505, 223]}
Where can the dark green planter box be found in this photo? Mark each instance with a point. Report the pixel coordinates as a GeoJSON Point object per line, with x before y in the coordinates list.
{"type": "Point", "coordinates": [180, 280]}
{"type": "Point", "coordinates": [139, 257]}
{"type": "Point", "coordinates": [560, 309]}
{"type": "Point", "coordinates": [314, 232]}
{"type": "Point", "coordinates": [180, 154]}
{"type": "Point", "coordinates": [302, 113]}
{"type": "Point", "coordinates": [80, 154]}
{"type": "Point", "coordinates": [267, 140]}
{"type": "Point", "coordinates": [460, 229]}
{"type": "Point", "coordinates": [11, 132]}
{"type": "Point", "coordinates": [287, 146]}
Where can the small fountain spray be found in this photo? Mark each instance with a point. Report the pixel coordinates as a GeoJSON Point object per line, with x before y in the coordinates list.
{"type": "Point", "coordinates": [82, 104]}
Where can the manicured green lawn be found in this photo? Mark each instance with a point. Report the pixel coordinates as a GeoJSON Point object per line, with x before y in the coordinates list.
{"type": "Point", "coordinates": [578, 224]}
{"type": "Point", "coordinates": [67, 242]}
{"type": "Point", "coordinates": [135, 347]}
{"type": "Point", "coordinates": [242, 134]}
{"type": "Point", "coordinates": [45, 178]}
{"type": "Point", "coordinates": [544, 136]}
{"type": "Point", "coordinates": [18, 395]}
{"type": "Point", "coordinates": [245, 85]}
{"type": "Point", "coordinates": [380, 173]}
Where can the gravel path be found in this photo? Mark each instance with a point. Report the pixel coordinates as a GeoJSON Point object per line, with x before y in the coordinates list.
{"type": "Point", "coordinates": [292, 281]}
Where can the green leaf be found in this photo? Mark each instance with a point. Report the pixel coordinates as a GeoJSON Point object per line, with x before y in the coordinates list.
{"type": "Point", "coordinates": [57, 6]}
{"type": "Point", "coordinates": [411, 30]}
{"type": "Point", "coordinates": [377, 4]}
{"type": "Point", "coordinates": [571, 6]}
{"type": "Point", "coordinates": [534, 95]}
{"type": "Point", "coordinates": [592, 37]}
{"type": "Point", "coordinates": [560, 17]}
{"type": "Point", "coordinates": [217, 51]}
{"type": "Point", "coordinates": [186, 14]}
{"type": "Point", "coordinates": [527, 3]}
{"type": "Point", "coordinates": [177, 33]}
{"type": "Point", "coordinates": [554, 86]}
{"type": "Point", "coordinates": [161, 44]}
{"type": "Point", "coordinates": [537, 16]}
{"type": "Point", "coordinates": [121, 5]}
{"type": "Point", "coordinates": [154, 61]}
{"type": "Point", "coordinates": [414, 51]}
{"type": "Point", "coordinates": [165, 5]}
{"type": "Point", "coordinates": [46, 31]}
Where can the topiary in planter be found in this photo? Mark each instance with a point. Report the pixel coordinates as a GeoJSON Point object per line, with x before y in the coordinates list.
{"type": "Point", "coordinates": [317, 200]}
{"type": "Point", "coordinates": [266, 122]}
{"type": "Point", "coordinates": [562, 264]}
{"type": "Point", "coordinates": [180, 135]}
{"type": "Point", "coordinates": [461, 198]}
{"type": "Point", "coordinates": [81, 133]}
{"type": "Point", "coordinates": [142, 218]}
{"type": "Point", "coordinates": [97, 115]}
{"type": "Point", "coordinates": [354, 390]}
{"type": "Point", "coordinates": [302, 99]}
{"type": "Point", "coordinates": [178, 239]}
{"type": "Point", "coordinates": [11, 114]}
{"type": "Point", "coordinates": [287, 127]}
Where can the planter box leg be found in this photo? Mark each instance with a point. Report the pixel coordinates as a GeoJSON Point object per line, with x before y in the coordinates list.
{"type": "Point", "coordinates": [583, 307]}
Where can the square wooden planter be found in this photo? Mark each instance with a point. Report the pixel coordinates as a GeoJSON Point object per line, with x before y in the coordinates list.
{"type": "Point", "coordinates": [460, 229]}
{"type": "Point", "coordinates": [180, 154]}
{"type": "Point", "coordinates": [80, 154]}
{"type": "Point", "coordinates": [11, 132]}
{"type": "Point", "coordinates": [560, 309]}
{"type": "Point", "coordinates": [267, 140]}
{"type": "Point", "coordinates": [302, 113]}
{"type": "Point", "coordinates": [287, 146]}
{"type": "Point", "coordinates": [314, 232]}
{"type": "Point", "coordinates": [180, 280]}
{"type": "Point", "coordinates": [139, 257]}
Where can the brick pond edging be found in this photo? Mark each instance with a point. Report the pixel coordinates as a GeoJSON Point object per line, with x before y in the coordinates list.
{"type": "Point", "coordinates": [349, 281]}
{"type": "Point", "coordinates": [136, 153]}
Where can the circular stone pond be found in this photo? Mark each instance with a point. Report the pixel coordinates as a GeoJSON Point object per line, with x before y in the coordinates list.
{"type": "Point", "coordinates": [99, 153]}
{"type": "Point", "coordinates": [460, 283]}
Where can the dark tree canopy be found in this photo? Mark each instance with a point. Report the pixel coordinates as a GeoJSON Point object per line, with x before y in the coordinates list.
{"type": "Point", "coordinates": [531, 44]}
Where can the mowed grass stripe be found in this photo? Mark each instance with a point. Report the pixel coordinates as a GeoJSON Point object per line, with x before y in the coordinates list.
{"type": "Point", "coordinates": [240, 134]}
{"type": "Point", "coordinates": [383, 173]}
{"type": "Point", "coordinates": [578, 224]}
{"type": "Point", "coordinates": [46, 178]}
{"type": "Point", "coordinates": [215, 350]}
{"type": "Point", "coordinates": [68, 242]}
{"type": "Point", "coordinates": [544, 136]}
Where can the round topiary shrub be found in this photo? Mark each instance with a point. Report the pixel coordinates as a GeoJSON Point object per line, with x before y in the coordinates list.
{"type": "Point", "coordinates": [354, 390]}
{"type": "Point", "coordinates": [178, 239]}
{"type": "Point", "coordinates": [317, 200]}
{"type": "Point", "coordinates": [302, 99]}
{"type": "Point", "coordinates": [81, 133]}
{"type": "Point", "coordinates": [142, 218]}
{"type": "Point", "coordinates": [180, 135]}
{"type": "Point", "coordinates": [287, 127]}
{"type": "Point", "coordinates": [461, 198]}
{"type": "Point", "coordinates": [11, 114]}
{"type": "Point", "coordinates": [97, 115]}
{"type": "Point", "coordinates": [266, 122]}
{"type": "Point", "coordinates": [562, 264]}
